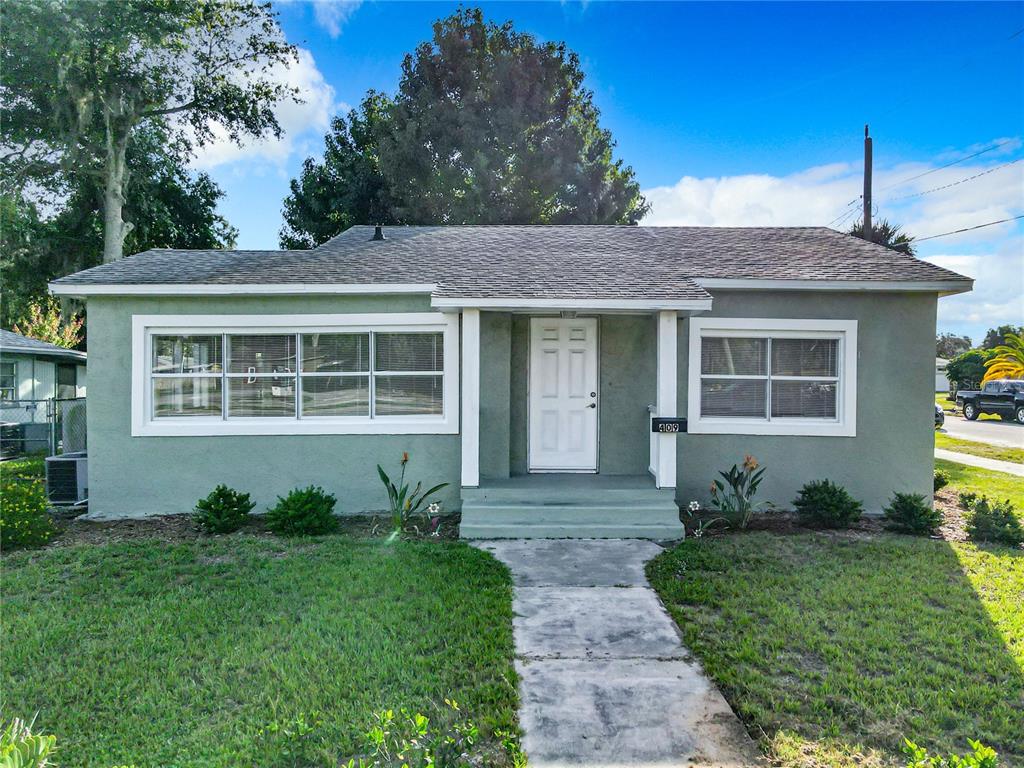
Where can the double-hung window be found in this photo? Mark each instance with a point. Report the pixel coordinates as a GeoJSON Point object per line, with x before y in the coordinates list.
{"type": "Point", "coordinates": [296, 374]}
{"type": "Point", "coordinates": [8, 381]}
{"type": "Point", "coordinates": [771, 376]}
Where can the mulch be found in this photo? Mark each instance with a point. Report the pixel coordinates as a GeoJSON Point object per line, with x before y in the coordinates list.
{"type": "Point", "coordinates": [74, 530]}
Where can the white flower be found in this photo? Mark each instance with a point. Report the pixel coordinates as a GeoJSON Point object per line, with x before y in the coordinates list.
{"type": "Point", "coordinates": [694, 506]}
{"type": "Point", "coordinates": [433, 508]}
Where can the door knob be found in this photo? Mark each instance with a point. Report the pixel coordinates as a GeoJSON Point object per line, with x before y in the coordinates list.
{"type": "Point", "coordinates": [592, 405]}
{"type": "Point", "coordinates": [593, 394]}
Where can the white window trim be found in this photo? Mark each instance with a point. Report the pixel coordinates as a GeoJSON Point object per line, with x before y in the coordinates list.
{"type": "Point", "coordinates": [144, 327]}
{"type": "Point", "coordinates": [14, 382]}
{"type": "Point", "coordinates": [843, 330]}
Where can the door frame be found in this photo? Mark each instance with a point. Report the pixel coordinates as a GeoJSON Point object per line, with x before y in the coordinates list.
{"type": "Point", "coordinates": [529, 394]}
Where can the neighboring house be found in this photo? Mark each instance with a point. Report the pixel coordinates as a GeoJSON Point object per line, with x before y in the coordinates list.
{"type": "Point", "coordinates": [521, 364]}
{"type": "Point", "coordinates": [31, 373]}
{"type": "Point", "coordinates": [941, 382]}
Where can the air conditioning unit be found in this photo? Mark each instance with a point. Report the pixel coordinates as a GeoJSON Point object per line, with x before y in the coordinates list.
{"type": "Point", "coordinates": [67, 479]}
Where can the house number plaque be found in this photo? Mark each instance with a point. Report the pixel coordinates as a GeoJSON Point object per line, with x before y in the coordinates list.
{"type": "Point", "coordinates": [668, 426]}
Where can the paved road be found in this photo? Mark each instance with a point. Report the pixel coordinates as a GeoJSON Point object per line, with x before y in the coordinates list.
{"type": "Point", "coordinates": [1008, 434]}
{"type": "Point", "coordinates": [981, 461]}
{"type": "Point", "coordinates": [604, 680]}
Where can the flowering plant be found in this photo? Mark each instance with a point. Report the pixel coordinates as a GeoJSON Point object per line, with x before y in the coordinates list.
{"type": "Point", "coordinates": [403, 502]}
{"type": "Point", "coordinates": [736, 503]}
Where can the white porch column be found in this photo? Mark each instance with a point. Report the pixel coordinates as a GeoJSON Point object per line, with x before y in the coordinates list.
{"type": "Point", "coordinates": [471, 398]}
{"type": "Point", "coordinates": [668, 396]}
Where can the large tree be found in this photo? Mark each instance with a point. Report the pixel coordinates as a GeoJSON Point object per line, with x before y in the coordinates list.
{"type": "Point", "coordinates": [78, 79]}
{"type": "Point", "coordinates": [171, 207]}
{"type": "Point", "coordinates": [489, 125]}
{"type": "Point", "coordinates": [996, 337]}
{"type": "Point", "coordinates": [949, 345]}
{"type": "Point", "coordinates": [889, 235]}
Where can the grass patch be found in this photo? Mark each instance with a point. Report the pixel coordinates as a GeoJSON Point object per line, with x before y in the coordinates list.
{"type": "Point", "coordinates": [995, 485]}
{"type": "Point", "coordinates": [947, 405]}
{"type": "Point", "coordinates": [162, 654]}
{"type": "Point", "coordinates": [24, 467]}
{"type": "Point", "coordinates": [834, 648]}
{"type": "Point", "coordinates": [998, 452]}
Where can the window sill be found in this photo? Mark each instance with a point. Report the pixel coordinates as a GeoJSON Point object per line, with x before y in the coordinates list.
{"type": "Point", "coordinates": [780, 428]}
{"type": "Point", "coordinates": [269, 426]}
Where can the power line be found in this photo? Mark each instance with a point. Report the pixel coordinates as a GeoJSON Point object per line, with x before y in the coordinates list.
{"type": "Point", "coordinates": [967, 229]}
{"type": "Point", "coordinates": [844, 212]}
{"type": "Point", "coordinates": [997, 145]}
{"type": "Point", "coordinates": [954, 183]}
{"type": "Point", "coordinates": [846, 217]}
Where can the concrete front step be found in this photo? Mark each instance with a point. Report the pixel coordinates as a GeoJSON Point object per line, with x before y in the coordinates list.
{"type": "Point", "coordinates": [570, 514]}
{"type": "Point", "coordinates": [582, 530]}
{"type": "Point", "coordinates": [569, 495]}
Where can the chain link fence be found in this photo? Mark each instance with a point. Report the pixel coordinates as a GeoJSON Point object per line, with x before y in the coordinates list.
{"type": "Point", "coordinates": [52, 426]}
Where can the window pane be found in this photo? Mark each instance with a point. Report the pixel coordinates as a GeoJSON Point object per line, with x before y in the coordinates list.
{"type": "Point", "coordinates": [261, 354]}
{"type": "Point", "coordinates": [400, 395]}
{"type": "Point", "coordinates": [733, 357]}
{"type": "Point", "coordinates": [409, 352]}
{"type": "Point", "coordinates": [187, 396]}
{"type": "Point", "coordinates": [263, 396]}
{"type": "Point", "coordinates": [186, 354]}
{"type": "Point", "coordinates": [804, 399]}
{"type": "Point", "coordinates": [733, 397]}
{"type": "Point", "coordinates": [346, 352]}
{"type": "Point", "coordinates": [335, 395]}
{"type": "Point", "coordinates": [805, 357]}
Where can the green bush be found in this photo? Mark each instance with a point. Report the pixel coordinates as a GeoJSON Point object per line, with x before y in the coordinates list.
{"type": "Point", "coordinates": [223, 511]}
{"type": "Point", "coordinates": [911, 513]}
{"type": "Point", "coordinates": [24, 517]}
{"type": "Point", "coordinates": [941, 480]}
{"type": "Point", "coordinates": [303, 512]}
{"type": "Point", "coordinates": [966, 499]}
{"type": "Point", "coordinates": [992, 521]}
{"type": "Point", "coordinates": [980, 757]}
{"type": "Point", "coordinates": [825, 504]}
{"type": "Point", "coordinates": [20, 748]}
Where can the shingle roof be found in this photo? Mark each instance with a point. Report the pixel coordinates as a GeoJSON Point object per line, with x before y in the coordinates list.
{"type": "Point", "coordinates": [15, 342]}
{"type": "Point", "coordinates": [538, 261]}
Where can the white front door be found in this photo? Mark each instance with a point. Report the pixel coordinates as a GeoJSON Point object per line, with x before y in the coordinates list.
{"type": "Point", "coordinates": [563, 394]}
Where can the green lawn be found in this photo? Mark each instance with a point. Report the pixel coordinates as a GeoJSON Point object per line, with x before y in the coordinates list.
{"type": "Point", "coordinates": [995, 485]}
{"type": "Point", "coordinates": [974, 448]}
{"type": "Point", "coordinates": [835, 647]}
{"type": "Point", "coordinates": [162, 654]}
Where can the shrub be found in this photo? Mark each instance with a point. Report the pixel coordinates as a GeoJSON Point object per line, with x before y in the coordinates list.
{"type": "Point", "coordinates": [304, 511]}
{"type": "Point", "coordinates": [966, 499]}
{"type": "Point", "coordinates": [24, 517]}
{"type": "Point", "coordinates": [736, 504]}
{"type": "Point", "coordinates": [994, 522]}
{"type": "Point", "coordinates": [941, 480]}
{"type": "Point", "coordinates": [980, 757]}
{"type": "Point", "coordinates": [223, 511]}
{"type": "Point", "coordinates": [828, 505]}
{"type": "Point", "coordinates": [20, 748]}
{"type": "Point", "coordinates": [911, 513]}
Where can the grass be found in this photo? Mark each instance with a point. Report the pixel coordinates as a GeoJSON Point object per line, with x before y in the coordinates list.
{"type": "Point", "coordinates": [834, 648]}
{"type": "Point", "coordinates": [995, 485]}
{"type": "Point", "coordinates": [160, 654]}
{"type": "Point", "coordinates": [24, 466]}
{"type": "Point", "coordinates": [999, 452]}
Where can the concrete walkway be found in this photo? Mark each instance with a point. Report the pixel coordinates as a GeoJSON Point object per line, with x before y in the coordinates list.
{"type": "Point", "coordinates": [604, 678]}
{"type": "Point", "coordinates": [980, 461]}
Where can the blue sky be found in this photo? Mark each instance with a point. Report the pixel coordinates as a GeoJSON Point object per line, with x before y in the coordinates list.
{"type": "Point", "coordinates": [731, 114]}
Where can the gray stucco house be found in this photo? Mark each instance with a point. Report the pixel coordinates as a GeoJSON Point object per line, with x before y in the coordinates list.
{"type": "Point", "coordinates": [525, 365]}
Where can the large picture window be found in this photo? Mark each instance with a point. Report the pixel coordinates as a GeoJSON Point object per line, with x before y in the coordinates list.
{"type": "Point", "coordinates": [389, 376]}
{"type": "Point", "coordinates": [772, 376]}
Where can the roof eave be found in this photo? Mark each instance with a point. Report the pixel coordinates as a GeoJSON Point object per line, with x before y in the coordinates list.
{"type": "Point", "coordinates": [521, 304]}
{"type": "Point", "coordinates": [84, 290]}
{"type": "Point", "coordinates": [941, 287]}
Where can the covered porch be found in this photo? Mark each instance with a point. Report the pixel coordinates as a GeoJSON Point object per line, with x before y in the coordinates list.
{"type": "Point", "coordinates": [556, 415]}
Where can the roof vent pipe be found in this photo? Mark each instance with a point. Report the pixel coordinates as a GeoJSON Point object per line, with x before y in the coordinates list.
{"type": "Point", "coordinates": [378, 232]}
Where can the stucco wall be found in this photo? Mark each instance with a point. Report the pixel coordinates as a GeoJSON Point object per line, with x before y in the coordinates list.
{"type": "Point", "coordinates": [894, 446]}
{"type": "Point", "coordinates": [626, 380]}
{"type": "Point", "coordinates": [149, 475]}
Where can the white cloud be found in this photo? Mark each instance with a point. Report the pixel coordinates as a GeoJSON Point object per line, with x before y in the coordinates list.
{"type": "Point", "coordinates": [298, 120]}
{"type": "Point", "coordinates": [333, 14]}
{"type": "Point", "coordinates": [994, 256]}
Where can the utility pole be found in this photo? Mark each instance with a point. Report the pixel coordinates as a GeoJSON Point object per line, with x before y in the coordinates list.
{"type": "Point", "coordinates": [867, 185]}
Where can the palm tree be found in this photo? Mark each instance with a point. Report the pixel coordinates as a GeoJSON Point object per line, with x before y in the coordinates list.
{"type": "Point", "coordinates": [884, 233]}
{"type": "Point", "coordinates": [1008, 362]}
